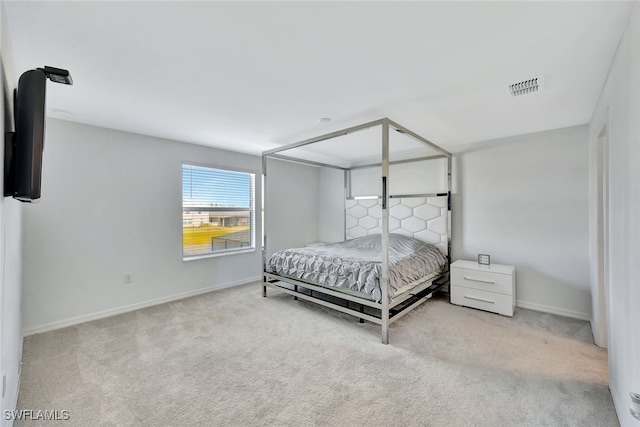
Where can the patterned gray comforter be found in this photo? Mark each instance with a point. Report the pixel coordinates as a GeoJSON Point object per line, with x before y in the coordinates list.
{"type": "Point", "coordinates": [357, 264]}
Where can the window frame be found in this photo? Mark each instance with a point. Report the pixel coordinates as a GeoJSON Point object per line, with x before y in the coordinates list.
{"type": "Point", "coordinates": [252, 212]}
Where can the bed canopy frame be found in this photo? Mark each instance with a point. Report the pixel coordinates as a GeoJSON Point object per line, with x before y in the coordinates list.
{"type": "Point", "coordinates": [389, 311]}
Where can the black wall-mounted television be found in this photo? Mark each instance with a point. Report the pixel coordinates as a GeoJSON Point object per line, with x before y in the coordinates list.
{"type": "Point", "coordinates": [24, 147]}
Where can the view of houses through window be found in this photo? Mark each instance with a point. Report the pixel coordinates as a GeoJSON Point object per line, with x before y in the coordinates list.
{"type": "Point", "coordinates": [218, 210]}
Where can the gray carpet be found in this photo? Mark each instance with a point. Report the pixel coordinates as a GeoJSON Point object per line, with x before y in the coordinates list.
{"type": "Point", "coordinates": [233, 358]}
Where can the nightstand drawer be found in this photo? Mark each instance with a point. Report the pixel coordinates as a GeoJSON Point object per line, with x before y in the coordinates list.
{"type": "Point", "coordinates": [489, 301]}
{"type": "Point", "coordinates": [482, 280]}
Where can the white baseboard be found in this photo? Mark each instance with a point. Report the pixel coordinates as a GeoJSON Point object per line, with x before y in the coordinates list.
{"type": "Point", "coordinates": [59, 324]}
{"type": "Point", "coordinates": [553, 310]}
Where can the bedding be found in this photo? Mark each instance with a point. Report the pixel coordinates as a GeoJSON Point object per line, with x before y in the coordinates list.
{"type": "Point", "coordinates": [356, 264]}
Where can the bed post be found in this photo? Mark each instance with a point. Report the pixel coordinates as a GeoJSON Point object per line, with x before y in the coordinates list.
{"type": "Point", "coordinates": [449, 219]}
{"type": "Point", "coordinates": [264, 232]}
{"type": "Point", "coordinates": [384, 281]}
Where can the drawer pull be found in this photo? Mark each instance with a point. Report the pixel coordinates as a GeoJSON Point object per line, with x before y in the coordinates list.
{"type": "Point", "coordinates": [480, 280]}
{"type": "Point", "coordinates": [480, 299]}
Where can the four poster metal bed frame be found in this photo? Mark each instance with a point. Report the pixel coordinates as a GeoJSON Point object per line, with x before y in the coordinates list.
{"type": "Point", "coordinates": [387, 310]}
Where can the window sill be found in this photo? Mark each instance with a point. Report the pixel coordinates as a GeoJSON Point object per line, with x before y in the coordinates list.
{"type": "Point", "coordinates": [219, 254]}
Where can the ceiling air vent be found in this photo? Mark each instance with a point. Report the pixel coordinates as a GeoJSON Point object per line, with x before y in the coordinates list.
{"type": "Point", "coordinates": [526, 87]}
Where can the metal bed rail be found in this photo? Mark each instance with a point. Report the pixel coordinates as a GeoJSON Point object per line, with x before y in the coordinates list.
{"type": "Point", "coordinates": [397, 308]}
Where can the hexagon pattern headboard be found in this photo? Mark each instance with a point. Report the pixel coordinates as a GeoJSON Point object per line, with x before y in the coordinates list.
{"type": "Point", "coordinates": [424, 218]}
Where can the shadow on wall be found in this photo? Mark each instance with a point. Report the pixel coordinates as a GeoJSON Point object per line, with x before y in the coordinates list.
{"type": "Point", "coordinates": [531, 282]}
{"type": "Point", "coordinates": [8, 103]}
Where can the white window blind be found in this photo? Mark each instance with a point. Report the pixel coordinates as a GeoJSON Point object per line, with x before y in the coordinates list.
{"type": "Point", "coordinates": [218, 211]}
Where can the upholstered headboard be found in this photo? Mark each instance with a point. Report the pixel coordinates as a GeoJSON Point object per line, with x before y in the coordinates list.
{"type": "Point", "coordinates": [423, 218]}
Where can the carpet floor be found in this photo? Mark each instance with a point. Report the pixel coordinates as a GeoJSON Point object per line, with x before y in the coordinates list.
{"type": "Point", "coordinates": [233, 358]}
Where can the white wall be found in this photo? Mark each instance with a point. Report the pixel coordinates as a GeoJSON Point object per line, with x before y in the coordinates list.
{"type": "Point", "coordinates": [10, 252]}
{"type": "Point", "coordinates": [619, 111]}
{"type": "Point", "coordinates": [331, 205]}
{"type": "Point", "coordinates": [111, 204]}
{"type": "Point", "coordinates": [524, 201]}
{"type": "Point", "coordinates": [421, 177]}
{"type": "Point", "coordinates": [292, 205]}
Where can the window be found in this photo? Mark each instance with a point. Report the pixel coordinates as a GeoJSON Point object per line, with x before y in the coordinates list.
{"type": "Point", "coordinates": [218, 211]}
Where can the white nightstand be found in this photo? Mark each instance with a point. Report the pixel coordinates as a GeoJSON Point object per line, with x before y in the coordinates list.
{"type": "Point", "coordinates": [487, 287]}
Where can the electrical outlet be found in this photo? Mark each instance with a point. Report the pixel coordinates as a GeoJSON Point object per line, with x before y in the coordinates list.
{"type": "Point", "coordinates": [128, 278]}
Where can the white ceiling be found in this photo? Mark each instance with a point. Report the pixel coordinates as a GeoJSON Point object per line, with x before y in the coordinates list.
{"type": "Point", "coordinates": [251, 76]}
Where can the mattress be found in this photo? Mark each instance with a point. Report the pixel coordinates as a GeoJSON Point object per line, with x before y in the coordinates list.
{"type": "Point", "coordinates": [356, 265]}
